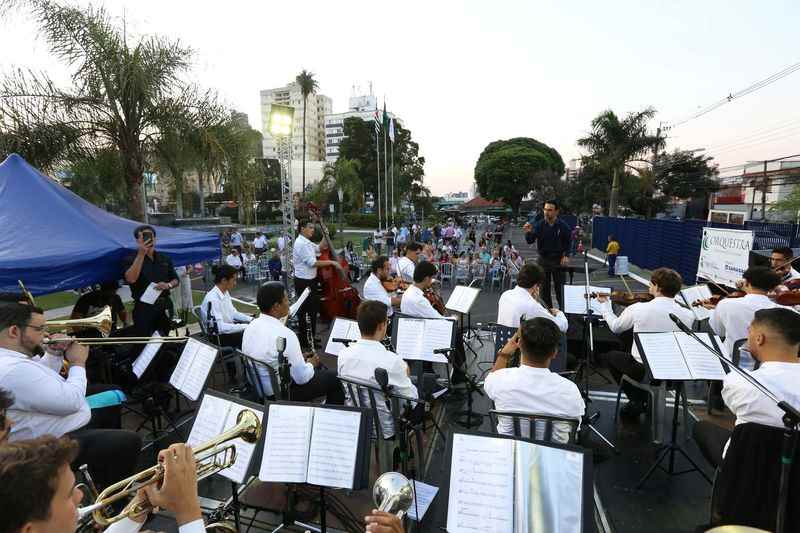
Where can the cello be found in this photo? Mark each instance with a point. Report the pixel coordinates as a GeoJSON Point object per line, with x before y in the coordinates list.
{"type": "Point", "coordinates": [338, 298]}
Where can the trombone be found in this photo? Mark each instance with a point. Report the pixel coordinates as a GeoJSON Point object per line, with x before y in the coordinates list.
{"type": "Point", "coordinates": [102, 322]}
{"type": "Point", "coordinates": [211, 457]}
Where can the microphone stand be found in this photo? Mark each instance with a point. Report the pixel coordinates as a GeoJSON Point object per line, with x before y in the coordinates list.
{"type": "Point", "coordinates": [467, 418]}
{"type": "Point", "coordinates": [284, 370]}
{"type": "Point", "coordinates": [791, 419]}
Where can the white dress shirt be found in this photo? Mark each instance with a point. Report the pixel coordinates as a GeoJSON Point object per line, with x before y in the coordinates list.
{"type": "Point", "coordinates": [792, 274]}
{"type": "Point", "coordinates": [750, 405]}
{"type": "Point", "coordinates": [415, 304]}
{"type": "Point", "coordinates": [260, 243]}
{"type": "Point", "coordinates": [732, 316]}
{"type": "Point", "coordinates": [373, 290]}
{"type": "Point", "coordinates": [259, 343]}
{"type": "Point", "coordinates": [305, 255]}
{"type": "Point", "coordinates": [516, 302]}
{"type": "Point", "coordinates": [126, 525]}
{"type": "Point", "coordinates": [44, 402]}
{"type": "Point", "coordinates": [359, 361]}
{"type": "Point", "coordinates": [236, 239]}
{"type": "Point", "coordinates": [405, 267]}
{"type": "Point", "coordinates": [647, 317]}
{"type": "Point", "coordinates": [393, 264]}
{"type": "Point", "coordinates": [529, 389]}
{"type": "Point", "coordinates": [234, 260]}
{"type": "Point", "coordinates": [225, 314]}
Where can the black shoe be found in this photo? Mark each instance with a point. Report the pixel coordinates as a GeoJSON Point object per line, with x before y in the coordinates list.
{"type": "Point", "coordinates": [633, 409]}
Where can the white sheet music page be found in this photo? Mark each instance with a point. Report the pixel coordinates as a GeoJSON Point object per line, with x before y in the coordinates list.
{"type": "Point", "coordinates": [423, 496]}
{"type": "Point", "coordinates": [192, 370]}
{"type": "Point", "coordinates": [244, 450]}
{"type": "Point", "coordinates": [334, 448]}
{"type": "Point", "coordinates": [664, 356]}
{"type": "Point", "coordinates": [462, 298]}
{"type": "Point", "coordinates": [146, 356]}
{"type": "Point", "coordinates": [575, 299]}
{"type": "Point", "coordinates": [296, 305]}
{"type": "Point", "coordinates": [288, 435]}
{"type": "Point", "coordinates": [184, 364]}
{"type": "Point", "coordinates": [150, 294]}
{"type": "Point", "coordinates": [481, 485]}
{"type": "Point", "coordinates": [409, 337]}
{"type": "Point", "coordinates": [342, 329]}
{"type": "Point", "coordinates": [689, 295]}
{"type": "Point", "coordinates": [702, 363]}
{"type": "Point", "coordinates": [438, 334]}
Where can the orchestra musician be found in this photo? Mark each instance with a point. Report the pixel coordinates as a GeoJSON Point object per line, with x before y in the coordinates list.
{"type": "Point", "coordinates": [531, 387]}
{"type": "Point", "coordinates": [643, 317]}
{"type": "Point", "coordinates": [522, 300]}
{"type": "Point", "coordinates": [230, 323]}
{"type": "Point", "coordinates": [552, 236]}
{"type": "Point", "coordinates": [46, 403]}
{"type": "Point", "coordinates": [304, 255]}
{"type": "Point", "coordinates": [39, 495]}
{"type": "Point", "coordinates": [780, 261]}
{"type": "Point", "coordinates": [309, 379]}
{"type": "Point", "coordinates": [373, 287]}
{"type": "Point", "coordinates": [360, 359]}
{"type": "Point", "coordinates": [407, 263]}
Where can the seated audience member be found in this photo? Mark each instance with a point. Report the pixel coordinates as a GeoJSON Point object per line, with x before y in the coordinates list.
{"type": "Point", "coordinates": [93, 302]}
{"type": "Point", "coordinates": [309, 379]}
{"type": "Point", "coordinates": [45, 403]}
{"type": "Point", "coordinates": [531, 387]}
{"type": "Point", "coordinates": [359, 360]}
{"type": "Point", "coordinates": [229, 322]}
{"type": "Point", "coordinates": [39, 495]}
{"type": "Point", "coordinates": [260, 243]}
{"type": "Point", "coordinates": [643, 317]}
{"type": "Point", "coordinates": [235, 260]}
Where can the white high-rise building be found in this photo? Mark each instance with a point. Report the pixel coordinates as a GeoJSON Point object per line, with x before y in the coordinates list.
{"type": "Point", "coordinates": [362, 107]}
{"type": "Point", "coordinates": [318, 106]}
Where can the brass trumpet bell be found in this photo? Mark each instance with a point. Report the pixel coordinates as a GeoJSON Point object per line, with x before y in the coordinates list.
{"type": "Point", "coordinates": [101, 322]}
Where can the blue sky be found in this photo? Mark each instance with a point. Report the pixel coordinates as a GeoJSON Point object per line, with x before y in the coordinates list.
{"type": "Point", "coordinates": [463, 74]}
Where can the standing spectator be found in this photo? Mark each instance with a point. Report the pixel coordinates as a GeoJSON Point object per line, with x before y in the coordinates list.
{"type": "Point", "coordinates": [236, 241]}
{"type": "Point", "coordinates": [235, 260]}
{"type": "Point", "coordinates": [377, 241]}
{"type": "Point", "coordinates": [611, 253]}
{"type": "Point", "coordinates": [275, 265]}
{"type": "Point", "coordinates": [260, 243]}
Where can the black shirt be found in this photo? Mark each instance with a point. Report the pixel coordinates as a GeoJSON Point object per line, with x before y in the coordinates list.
{"type": "Point", "coordinates": [156, 270]}
{"type": "Point", "coordinates": [93, 302]}
{"type": "Point", "coordinates": [550, 240]}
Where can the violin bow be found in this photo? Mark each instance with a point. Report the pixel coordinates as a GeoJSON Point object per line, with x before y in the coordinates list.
{"type": "Point", "coordinates": [726, 293]}
{"type": "Point", "coordinates": [630, 292]}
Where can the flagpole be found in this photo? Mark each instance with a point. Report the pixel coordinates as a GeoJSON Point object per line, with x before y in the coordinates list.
{"type": "Point", "coordinates": [385, 168]}
{"type": "Point", "coordinates": [394, 134]}
{"type": "Point", "coordinates": [378, 167]}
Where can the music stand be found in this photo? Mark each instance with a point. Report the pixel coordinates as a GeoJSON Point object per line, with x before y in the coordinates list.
{"type": "Point", "coordinates": [461, 301]}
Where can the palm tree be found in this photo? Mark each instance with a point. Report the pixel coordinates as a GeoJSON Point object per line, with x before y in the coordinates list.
{"type": "Point", "coordinates": [308, 85]}
{"type": "Point", "coordinates": [613, 143]}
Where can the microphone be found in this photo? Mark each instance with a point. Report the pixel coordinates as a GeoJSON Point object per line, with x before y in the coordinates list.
{"type": "Point", "coordinates": [280, 344]}
{"type": "Point", "coordinates": [211, 322]}
{"type": "Point", "coordinates": [678, 322]}
{"type": "Point", "coordinates": [444, 351]}
{"type": "Point", "coordinates": [346, 342]}
{"type": "Point", "coordinates": [382, 377]}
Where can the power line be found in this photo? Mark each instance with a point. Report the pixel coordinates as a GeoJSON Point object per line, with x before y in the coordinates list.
{"type": "Point", "coordinates": [775, 137]}
{"type": "Point", "coordinates": [733, 96]}
{"type": "Point", "coordinates": [756, 134]}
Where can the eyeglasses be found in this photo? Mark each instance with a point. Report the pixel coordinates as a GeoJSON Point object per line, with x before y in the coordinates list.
{"type": "Point", "coordinates": [37, 328]}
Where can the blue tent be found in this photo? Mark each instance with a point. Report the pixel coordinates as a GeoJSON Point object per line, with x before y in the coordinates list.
{"type": "Point", "coordinates": [53, 240]}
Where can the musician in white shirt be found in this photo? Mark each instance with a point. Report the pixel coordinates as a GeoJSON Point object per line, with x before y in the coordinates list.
{"type": "Point", "coordinates": [531, 387]}
{"type": "Point", "coordinates": [781, 261]}
{"type": "Point", "coordinates": [414, 302]}
{"type": "Point", "coordinates": [731, 316]}
{"type": "Point", "coordinates": [522, 300]}
{"type": "Point", "coordinates": [304, 256]}
{"type": "Point", "coordinates": [408, 262]}
{"type": "Point", "coordinates": [309, 378]}
{"type": "Point", "coordinates": [359, 360]}
{"type": "Point", "coordinates": [373, 287]}
{"type": "Point", "coordinates": [225, 320]}
{"type": "Point", "coordinates": [48, 499]}
{"type": "Point", "coordinates": [643, 317]}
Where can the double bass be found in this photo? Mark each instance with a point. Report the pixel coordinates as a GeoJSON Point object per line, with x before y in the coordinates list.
{"type": "Point", "coordinates": [339, 298]}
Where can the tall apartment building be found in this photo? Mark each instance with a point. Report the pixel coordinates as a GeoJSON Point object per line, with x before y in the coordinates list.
{"type": "Point", "coordinates": [318, 106]}
{"type": "Point", "coordinates": [362, 107]}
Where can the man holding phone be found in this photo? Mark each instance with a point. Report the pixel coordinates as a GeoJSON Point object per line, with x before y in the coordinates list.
{"type": "Point", "coordinates": [142, 269]}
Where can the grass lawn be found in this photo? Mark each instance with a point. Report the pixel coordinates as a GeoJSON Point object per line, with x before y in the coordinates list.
{"type": "Point", "coordinates": [56, 300]}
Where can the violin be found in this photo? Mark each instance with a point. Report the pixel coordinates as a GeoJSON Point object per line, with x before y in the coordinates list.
{"type": "Point", "coordinates": [625, 297]}
{"type": "Point", "coordinates": [715, 299]}
{"type": "Point", "coordinates": [395, 284]}
{"type": "Point", "coordinates": [435, 299]}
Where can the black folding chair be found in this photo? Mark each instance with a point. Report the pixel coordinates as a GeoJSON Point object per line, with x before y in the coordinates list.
{"type": "Point", "coordinates": [537, 427]}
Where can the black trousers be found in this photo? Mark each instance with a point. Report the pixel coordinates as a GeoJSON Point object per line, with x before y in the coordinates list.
{"type": "Point", "coordinates": [551, 264]}
{"type": "Point", "coordinates": [307, 314]}
{"type": "Point", "coordinates": [324, 383]}
{"type": "Point", "coordinates": [623, 363]}
{"type": "Point", "coordinates": [231, 340]}
{"type": "Point", "coordinates": [111, 454]}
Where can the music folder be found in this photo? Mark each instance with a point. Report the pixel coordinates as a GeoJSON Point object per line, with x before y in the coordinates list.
{"type": "Point", "coordinates": [501, 484]}
{"type": "Point", "coordinates": [194, 366]}
{"type": "Point", "coordinates": [575, 299]}
{"type": "Point", "coordinates": [326, 446]}
{"type": "Point", "coordinates": [689, 295]}
{"type": "Point", "coordinates": [218, 413]}
{"type": "Point", "coordinates": [676, 356]}
{"type": "Point", "coordinates": [462, 298]}
{"type": "Point", "coordinates": [417, 338]}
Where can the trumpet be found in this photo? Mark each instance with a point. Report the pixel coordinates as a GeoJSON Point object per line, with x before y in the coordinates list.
{"type": "Point", "coordinates": [211, 457]}
{"type": "Point", "coordinates": [392, 493]}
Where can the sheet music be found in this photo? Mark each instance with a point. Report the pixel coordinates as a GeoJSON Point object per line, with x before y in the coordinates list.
{"type": "Point", "coordinates": [481, 485]}
{"type": "Point", "coordinates": [146, 356]}
{"type": "Point", "coordinates": [334, 448]}
{"type": "Point", "coordinates": [286, 443]}
{"type": "Point", "coordinates": [418, 337]}
{"type": "Point", "coordinates": [295, 306]}
{"type": "Point", "coordinates": [193, 367]}
{"type": "Point", "coordinates": [215, 416]}
{"type": "Point", "coordinates": [702, 363]}
{"type": "Point", "coordinates": [575, 299]}
{"type": "Point", "coordinates": [462, 298]}
{"type": "Point", "coordinates": [664, 356]}
{"type": "Point", "coordinates": [423, 496]}
{"type": "Point", "coordinates": [691, 294]}
{"type": "Point", "coordinates": [150, 295]}
{"type": "Point", "coordinates": [342, 329]}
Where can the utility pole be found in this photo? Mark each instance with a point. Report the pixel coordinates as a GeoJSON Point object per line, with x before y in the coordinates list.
{"type": "Point", "coordinates": [764, 195]}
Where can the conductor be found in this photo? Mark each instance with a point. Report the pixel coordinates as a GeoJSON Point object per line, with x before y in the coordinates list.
{"type": "Point", "coordinates": [552, 236]}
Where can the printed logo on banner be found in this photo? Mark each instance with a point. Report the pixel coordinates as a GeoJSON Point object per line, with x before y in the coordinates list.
{"type": "Point", "coordinates": [724, 254]}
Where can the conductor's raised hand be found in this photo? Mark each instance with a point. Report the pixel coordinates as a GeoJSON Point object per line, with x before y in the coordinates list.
{"type": "Point", "coordinates": [178, 490]}
{"type": "Point", "coordinates": [383, 522]}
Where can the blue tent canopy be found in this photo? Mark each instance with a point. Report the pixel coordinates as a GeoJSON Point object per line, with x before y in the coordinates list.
{"type": "Point", "coordinates": [53, 240]}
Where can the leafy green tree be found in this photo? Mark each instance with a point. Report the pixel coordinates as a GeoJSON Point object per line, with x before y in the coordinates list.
{"type": "Point", "coordinates": [117, 93]}
{"type": "Point", "coordinates": [100, 179]}
{"type": "Point", "coordinates": [613, 143]}
{"type": "Point", "coordinates": [790, 204]}
{"type": "Point", "coordinates": [683, 174]}
{"type": "Point", "coordinates": [308, 86]}
{"type": "Point", "coordinates": [509, 170]}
